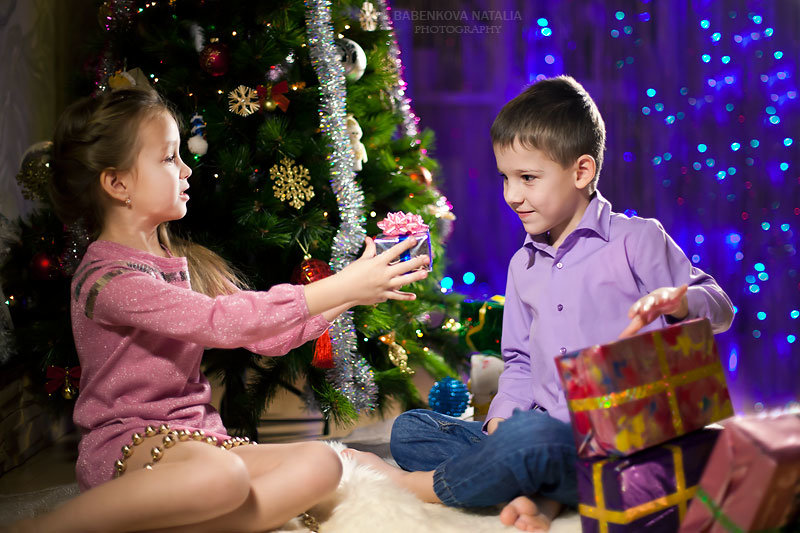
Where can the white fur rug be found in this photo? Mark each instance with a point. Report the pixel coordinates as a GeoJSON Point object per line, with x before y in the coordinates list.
{"type": "Point", "coordinates": [368, 502]}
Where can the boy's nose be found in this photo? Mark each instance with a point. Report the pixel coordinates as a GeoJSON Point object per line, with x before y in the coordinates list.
{"type": "Point", "coordinates": [513, 193]}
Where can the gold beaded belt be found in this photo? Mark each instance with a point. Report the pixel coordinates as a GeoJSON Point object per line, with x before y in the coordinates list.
{"type": "Point", "coordinates": [171, 437]}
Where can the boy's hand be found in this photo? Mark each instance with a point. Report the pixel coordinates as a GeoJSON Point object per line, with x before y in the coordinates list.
{"type": "Point", "coordinates": [664, 301]}
{"type": "Point", "coordinates": [492, 425]}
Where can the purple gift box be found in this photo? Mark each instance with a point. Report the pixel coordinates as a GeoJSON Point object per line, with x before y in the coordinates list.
{"type": "Point", "coordinates": [647, 491]}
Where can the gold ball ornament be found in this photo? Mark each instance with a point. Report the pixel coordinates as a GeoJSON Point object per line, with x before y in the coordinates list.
{"type": "Point", "coordinates": [69, 392]}
{"type": "Point", "coordinates": [270, 105]}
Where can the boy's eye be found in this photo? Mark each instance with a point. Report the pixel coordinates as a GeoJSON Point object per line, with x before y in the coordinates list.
{"type": "Point", "coordinates": [527, 177]}
{"type": "Point", "coordinates": [170, 159]}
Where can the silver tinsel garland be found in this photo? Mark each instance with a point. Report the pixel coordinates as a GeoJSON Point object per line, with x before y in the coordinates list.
{"type": "Point", "coordinates": [352, 375]}
{"type": "Point", "coordinates": [401, 101]}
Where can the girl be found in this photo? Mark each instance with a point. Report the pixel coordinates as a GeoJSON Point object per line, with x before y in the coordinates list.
{"type": "Point", "coordinates": [153, 451]}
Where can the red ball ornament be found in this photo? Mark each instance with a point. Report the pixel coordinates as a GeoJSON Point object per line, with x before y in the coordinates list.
{"type": "Point", "coordinates": [42, 266]}
{"type": "Point", "coordinates": [214, 58]}
{"type": "Point", "coordinates": [308, 271]}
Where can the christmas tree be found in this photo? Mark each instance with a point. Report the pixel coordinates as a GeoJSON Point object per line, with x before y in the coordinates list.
{"type": "Point", "coordinates": [301, 139]}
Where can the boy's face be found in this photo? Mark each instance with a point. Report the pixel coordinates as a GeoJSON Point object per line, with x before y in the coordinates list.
{"type": "Point", "coordinates": [542, 192]}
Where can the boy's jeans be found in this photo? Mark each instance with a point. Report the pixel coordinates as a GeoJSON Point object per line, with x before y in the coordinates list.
{"type": "Point", "coordinates": [530, 453]}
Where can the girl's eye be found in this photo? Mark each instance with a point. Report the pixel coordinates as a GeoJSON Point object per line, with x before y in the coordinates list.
{"type": "Point", "coordinates": [170, 159]}
{"type": "Point", "coordinates": [527, 177]}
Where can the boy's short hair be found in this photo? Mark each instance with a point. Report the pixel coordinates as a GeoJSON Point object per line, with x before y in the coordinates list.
{"type": "Point", "coordinates": [556, 116]}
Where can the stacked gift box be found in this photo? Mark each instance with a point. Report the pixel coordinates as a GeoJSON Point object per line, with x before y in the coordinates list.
{"type": "Point", "coordinates": [639, 407]}
{"type": "Point", "coordinates": [752, 480]}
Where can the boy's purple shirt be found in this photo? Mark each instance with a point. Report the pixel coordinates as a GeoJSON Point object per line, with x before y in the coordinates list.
{"type": "Point", "coordinates": [559, 301]}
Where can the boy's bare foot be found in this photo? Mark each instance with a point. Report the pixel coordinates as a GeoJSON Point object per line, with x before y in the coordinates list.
{"type": "Point", "coordinates": [525, 515]}
{"type": "Point", "coordinates": [419, 483]}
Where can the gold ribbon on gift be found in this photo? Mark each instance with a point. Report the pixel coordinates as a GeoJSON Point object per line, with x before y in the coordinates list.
{"type": "Point", "coordinates": [667, 384]}
{"type": "Point", "coordinates": [605, 516]}
{"type": "Point", "coordinates": [482, 320]}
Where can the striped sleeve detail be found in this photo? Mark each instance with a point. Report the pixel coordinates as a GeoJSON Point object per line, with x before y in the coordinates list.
{"type": "Point", "coordinates": [98, 286]}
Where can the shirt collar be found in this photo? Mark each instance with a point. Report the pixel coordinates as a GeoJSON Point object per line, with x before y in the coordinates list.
{"type": "Point", "coordinates": [596, 218]}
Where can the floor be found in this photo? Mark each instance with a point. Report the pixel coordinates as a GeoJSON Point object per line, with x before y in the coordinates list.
{"type": "Point", "coordinates": [286, 420]}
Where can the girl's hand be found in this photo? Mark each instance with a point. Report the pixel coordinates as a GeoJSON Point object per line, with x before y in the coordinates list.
{"type": "Point", "coordinates": [664, 301]}
{"type": "Point", "coordinates": [371, 279]}
{"type": "Point", "coordinates": [368, 280]}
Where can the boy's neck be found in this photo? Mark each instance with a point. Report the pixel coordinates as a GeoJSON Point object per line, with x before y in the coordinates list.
{"type": "Point", "coordinates": [559, 233]}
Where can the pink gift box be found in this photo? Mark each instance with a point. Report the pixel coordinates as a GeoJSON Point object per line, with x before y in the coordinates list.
{"type": "Point", "coordinates": [752, 480]}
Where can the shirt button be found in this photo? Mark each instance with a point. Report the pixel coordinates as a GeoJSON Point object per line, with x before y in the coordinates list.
{"type": "Point", "coordinates": [559, 265]}
{"type": "Point", "coordinates": [560, 307]}
{"type": "Point", "coordinates": [563, 350]}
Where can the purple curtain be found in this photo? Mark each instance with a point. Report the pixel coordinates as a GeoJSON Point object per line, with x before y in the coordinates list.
{"type": "Point", "coordinates": [700, 101]}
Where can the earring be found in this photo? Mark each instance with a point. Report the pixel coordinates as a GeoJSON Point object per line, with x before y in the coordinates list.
{"type": "Point", "coordinates": [128, 201]}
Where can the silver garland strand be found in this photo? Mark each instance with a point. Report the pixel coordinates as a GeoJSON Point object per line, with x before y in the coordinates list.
{"type": "Point", "coordinates": [352, 375]}
{"type": "Point", "coordinates": [401, 101]}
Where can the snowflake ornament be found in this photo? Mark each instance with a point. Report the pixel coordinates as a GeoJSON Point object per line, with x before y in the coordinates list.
{"type": "Point", "coordinates": [368, 17]}
{"type": "Point", "coordinates": [243, 101]}
{"type": "Point", "coordinates": [291, 183]}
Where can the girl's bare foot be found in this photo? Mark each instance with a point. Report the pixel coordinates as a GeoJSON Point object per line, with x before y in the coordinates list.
{"type": "Point", "coordinates": [525, 515]}
{"type": "Point", "coordinates": [376, 463]}
{"type": "Point", "coordinates": [418, 483]}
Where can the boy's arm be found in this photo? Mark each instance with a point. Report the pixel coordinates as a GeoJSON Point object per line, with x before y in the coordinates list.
{"type": "Point", "coordinates": [660, 262]}
{"type": "Point", "coordinates": [515, 388]}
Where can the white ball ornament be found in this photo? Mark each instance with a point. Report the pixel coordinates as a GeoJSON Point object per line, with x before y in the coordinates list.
{"type": "Point", "coordinates": [353, 58]}
{"type": "Point", "coordinates": [197, 145]}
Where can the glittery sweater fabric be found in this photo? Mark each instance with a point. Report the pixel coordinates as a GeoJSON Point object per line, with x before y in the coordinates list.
{"type": "Point", "coordinates": [140, 332]}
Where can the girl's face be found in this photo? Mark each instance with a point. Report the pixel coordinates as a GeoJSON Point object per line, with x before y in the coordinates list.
{"type": "Point", "coordinates": [159, 176]}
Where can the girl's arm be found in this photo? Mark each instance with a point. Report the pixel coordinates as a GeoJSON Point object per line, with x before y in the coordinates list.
{"type": "Point", "coordinates": [118, 295]}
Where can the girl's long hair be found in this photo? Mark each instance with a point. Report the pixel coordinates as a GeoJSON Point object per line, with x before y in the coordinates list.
{"type": "Point", "coordinates": [100, 133]}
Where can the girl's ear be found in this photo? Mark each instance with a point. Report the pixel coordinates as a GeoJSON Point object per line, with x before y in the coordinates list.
{"type": "Point", "coordinates": [585, 168]}
{"type": "Point", "coordinates": [114, 185]}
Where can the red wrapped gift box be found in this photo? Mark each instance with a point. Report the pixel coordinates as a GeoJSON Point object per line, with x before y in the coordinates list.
{"type": "Point", "coordinates": [645, 390]}
{"type": "Point", "coordinates": [752, 480]}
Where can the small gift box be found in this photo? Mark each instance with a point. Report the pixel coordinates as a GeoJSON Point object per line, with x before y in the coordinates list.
{"type": "Point", "coordinates": [400, 226]}
{"type": "Point", "coordinates": [481, 324]}
{"type": "Point", "coordinates": [641, 391]}
{"type": "Point", "coordinates": [647, 491]}
{"type": "Point", "coordinates": [752, 480]}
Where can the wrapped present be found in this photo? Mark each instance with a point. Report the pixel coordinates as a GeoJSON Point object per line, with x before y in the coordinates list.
{"type": "Point", "coordinates": [647, 491]}
{"type": "Point", "coordinates": [400, 226]}
{"type": "Point", "coordinates": [481, 325]}
{"type": "Point", "coordinates": [752, 480]}
{"type": "Point", "coordinates": [644, 390]}
{"type": "Point", "coordinates": [484, 376]}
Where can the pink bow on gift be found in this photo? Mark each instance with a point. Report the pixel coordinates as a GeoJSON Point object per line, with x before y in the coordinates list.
{"type": "Point", "coordinates": [402, 224]}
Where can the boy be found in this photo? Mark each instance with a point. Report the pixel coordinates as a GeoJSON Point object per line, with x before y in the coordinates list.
{"type": "Point", "coordinates": [584, 276]}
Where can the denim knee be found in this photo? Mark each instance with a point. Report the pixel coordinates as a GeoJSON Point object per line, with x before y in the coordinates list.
{"type": "Point", "coordinates": [535, 427]}
{"type": "Point", "coordinates": [409, 424]}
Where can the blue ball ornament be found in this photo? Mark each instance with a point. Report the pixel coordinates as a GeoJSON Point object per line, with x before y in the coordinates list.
{"type": "Point", "coordinates": [449, 396]}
